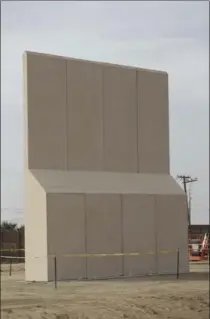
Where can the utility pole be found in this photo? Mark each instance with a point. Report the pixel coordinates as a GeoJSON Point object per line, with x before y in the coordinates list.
{"type": "Point", "coordinates": [189, 202]}
{"type": "Point", "coordinates": [187, 180]}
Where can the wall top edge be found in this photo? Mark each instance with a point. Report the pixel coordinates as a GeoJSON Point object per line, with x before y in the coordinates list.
{"type": "Point", "coordinates": [102, 63]}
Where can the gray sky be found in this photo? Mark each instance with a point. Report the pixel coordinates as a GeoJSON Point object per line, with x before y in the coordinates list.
{"type": "Point", "coordinates": [170, 36]}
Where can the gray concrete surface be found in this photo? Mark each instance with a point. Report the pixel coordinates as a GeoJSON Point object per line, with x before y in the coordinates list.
{"type": "Point", "coordinates": [97, 170]}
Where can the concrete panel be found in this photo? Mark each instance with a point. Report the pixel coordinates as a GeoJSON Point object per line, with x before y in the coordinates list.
{"type": "Point", "coordinates": [139, 234]}
{"type": "Point", "coordinates": [66, 234]}
{"type": "Point", "coordinates": [104, 235]}
{"type": "Point", "coordinates": [153, 122]}
{"type": "Point", "coordinates": [84, 99]}
{"type": "Point", "coordinates": [35, 230]}
{"type": "Point", "coordinates": [46, 106]}
{"type": "Point", "coordinates": [120, 119]}
{"type": "Point", "coordinates": [172, 210]}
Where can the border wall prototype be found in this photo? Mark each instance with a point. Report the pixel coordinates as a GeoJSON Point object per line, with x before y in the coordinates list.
{"type": "Point", "coordinates": [97, 171]}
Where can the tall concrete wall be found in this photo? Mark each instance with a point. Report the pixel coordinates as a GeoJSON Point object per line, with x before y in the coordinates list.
{"type": "Point", "coordinates": [97, 170]}
{"type": "Point", "coordinates": [95, 117]}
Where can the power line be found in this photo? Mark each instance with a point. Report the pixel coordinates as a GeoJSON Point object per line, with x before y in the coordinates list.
{"type": "Point", "coordinates": [185, 179]}
{"type": "Point", "coordinates": [11, 209]}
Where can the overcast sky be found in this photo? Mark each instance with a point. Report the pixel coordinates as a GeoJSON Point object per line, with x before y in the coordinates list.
{"type": "Point", "coordinates": [170, 36]}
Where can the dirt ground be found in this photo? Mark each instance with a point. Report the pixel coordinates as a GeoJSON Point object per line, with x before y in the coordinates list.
{"type": "Point", "coordinates": [156, 297]}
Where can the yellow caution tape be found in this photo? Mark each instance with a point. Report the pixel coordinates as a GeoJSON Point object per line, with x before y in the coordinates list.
{"type": "Point", "coordinates": [166, 251]}
{"type": "Point", "coordinates": [118, 254]}
{"type": "Point", "coordinates": [99, 255]}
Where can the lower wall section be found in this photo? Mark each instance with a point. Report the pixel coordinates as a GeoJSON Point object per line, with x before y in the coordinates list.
{"type": "Point", "coordinates": [114, 223]}
{"type": "Point", "coordinates": [67, 268]}
{"type": "Point", "coordinates": [104, 235]}
{"type": "Point", "coordinates": [139, 234]}
{"type": "Point", "coordinates": [171, 210]}
{"type": "Point", "coordinates": [66, 235]}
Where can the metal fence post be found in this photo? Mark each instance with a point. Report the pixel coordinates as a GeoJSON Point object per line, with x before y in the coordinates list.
{"type": "Point", "coordinates": [10, 267]}
{"type": "Point", "coordinates": [177, 266]}
{"type": "Point", "coordinates": [55, 271]}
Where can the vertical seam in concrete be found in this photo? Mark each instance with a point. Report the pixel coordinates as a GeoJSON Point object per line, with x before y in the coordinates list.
{"type": "Point", "coordinates": [85, 210]}
{"type": "Point", "coordinates": [156, 235]}
{"type": "Point", "coordinates": [137, 120]}
{"type": "Point", "coordinates": [102, 118]}
{"type": "Point", "coordinates": [67, 123]}
{"type": "Point", "coordinates": [122, 237]}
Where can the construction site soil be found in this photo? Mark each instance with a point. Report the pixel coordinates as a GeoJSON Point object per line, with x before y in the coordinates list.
{"type": "Point", "coordinates": [155, 297]}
